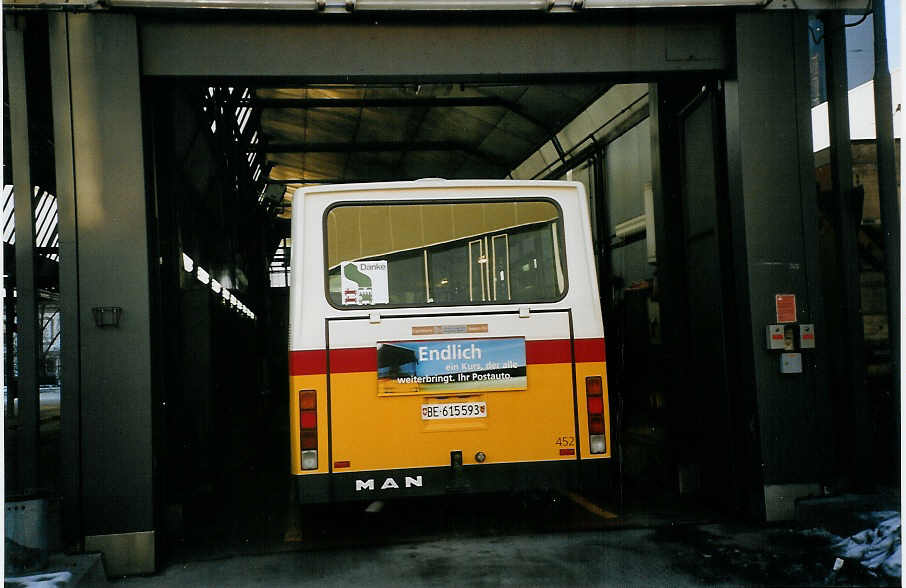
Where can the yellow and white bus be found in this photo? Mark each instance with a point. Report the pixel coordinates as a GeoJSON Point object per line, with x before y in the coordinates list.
{"type": "Point", "coordinates": [445, 336]}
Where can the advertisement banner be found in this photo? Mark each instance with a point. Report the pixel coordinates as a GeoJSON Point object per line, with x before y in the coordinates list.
{"type": "Point", "coordinates": [451, 365]}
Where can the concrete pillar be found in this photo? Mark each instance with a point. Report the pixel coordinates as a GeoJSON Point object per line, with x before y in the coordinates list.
{"type": "Point", "coordinates": [774, 220]}
{"type": "Point", "coordinates": [104, 230]}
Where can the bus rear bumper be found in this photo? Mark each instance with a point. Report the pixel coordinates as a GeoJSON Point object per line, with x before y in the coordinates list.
{"type": "Point", "coordinates": [436, 481]}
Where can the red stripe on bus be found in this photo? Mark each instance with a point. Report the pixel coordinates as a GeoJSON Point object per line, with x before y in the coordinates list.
{"type": "Point", "coordinates": [364, 359]}
{"type": "Point", "coordinates": [557, 351]}
{"type": "Point", "coordinates": [357, 359]}
{"type": "Point", "coordinates": [307, 363]}
{"type": "Point", "coordinates": [550, 351]}
{"type": "Point", "coordinates": [590, 350]}
{"type": "Point", "coordinates": [314, 362]}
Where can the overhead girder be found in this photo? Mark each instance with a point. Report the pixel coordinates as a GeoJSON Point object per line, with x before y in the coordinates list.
{"type": "Point", "coordinates": [437, 101]}
{"type": "Point", "coordinates": [376, 146]}
{"type": "Point", "coordinates": [432, 102]}
{"type": "Point", "coordinates": [292, 181]}
{"type": "Point", "coordinates": [410, 48]}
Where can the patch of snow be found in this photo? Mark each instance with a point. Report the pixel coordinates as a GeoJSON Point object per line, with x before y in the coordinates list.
{"type": "Point", "coordinates": [52, 580]}
{"type": "Point", "coordinates": [878, 549]}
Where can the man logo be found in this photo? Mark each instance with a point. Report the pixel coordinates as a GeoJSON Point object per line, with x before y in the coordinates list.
{"type": "Point", "coordinates": [388, 484]}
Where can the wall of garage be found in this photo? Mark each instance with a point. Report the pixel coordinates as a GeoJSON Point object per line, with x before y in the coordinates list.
{"type": "Point", "coordinates": [627, 164]}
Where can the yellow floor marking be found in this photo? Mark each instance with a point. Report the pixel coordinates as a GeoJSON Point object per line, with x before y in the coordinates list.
{"type": "Point", "coordinates": [590, 506]}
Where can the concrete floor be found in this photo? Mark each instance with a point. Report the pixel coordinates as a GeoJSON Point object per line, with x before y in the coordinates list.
{"type": "Point", "coordinates": [240, 530]}
{"type": "Point", "coordinates": [694, 556]}
{"type": "Point", "coordinates": [624, 558]}
{"type": "Point", "coordinates": [507, 541]}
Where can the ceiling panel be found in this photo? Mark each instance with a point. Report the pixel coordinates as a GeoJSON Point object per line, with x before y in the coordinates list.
{"type": "Point", "coordinates": [498, 128]}
{"type": "Point", "coordinates": [504, 145]}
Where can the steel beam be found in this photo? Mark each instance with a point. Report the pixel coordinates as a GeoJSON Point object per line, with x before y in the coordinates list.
{"type": "Point", "coordinates": [847, 217]}
{"type": "Point", "coordinates": [773, 212]}
{"type": "Point", "coordinates": [26, 304]}
{"type": "Point", "coordinates": [108, 178]}
{"type": "Point", "coordinates": [418, 49]}
{"type": "Point", "coordinates": [337, 180]}
{"type": "Point", "coordinates": [378, 146]}
{"type": "Point", "coordinates": [433, 102]}
{"type": "Point", "coordinates": [70, 357]}
{"type": "Point", "coordinates": [887, 190]}
{"type": "Point", "coordinates": [350, 147]}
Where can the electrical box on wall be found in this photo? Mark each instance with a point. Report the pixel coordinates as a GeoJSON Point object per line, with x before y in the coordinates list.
{"type": "Point", "coordinates": [787, 336]}
{"type": "Point", "coordinates": [774, 337]}
{"type": "Point", "coordinates": [790, 363]}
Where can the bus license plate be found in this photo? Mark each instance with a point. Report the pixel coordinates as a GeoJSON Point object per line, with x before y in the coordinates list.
{"type": "Point", "coordinates": [454, 410]}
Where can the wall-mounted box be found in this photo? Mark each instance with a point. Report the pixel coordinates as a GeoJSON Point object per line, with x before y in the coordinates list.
{"type": "Point", "coordinates": [774, 335]}
{"type": "Point", "coordinates": [790, 363]}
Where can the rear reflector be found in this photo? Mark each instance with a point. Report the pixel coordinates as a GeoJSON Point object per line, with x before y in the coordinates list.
{"type": "Point", "coordinates": [308, 400]}
{"type": "Point", "coordinates": [309, 439]}
{"type": "Point", "coordinates": [310, 459]}
{"type": "Point", "coordinates": [595, 424]}
{"type": "Point", "coordinates": [596, 444]}
{"type": "Point", "coordinates": [567, 452]}
{"type": "Point", "coordinates": [593, 386]}
{"type": "Point", "coordinates": [309, 419]}
{"type": "Point", "coordinates": [308, 428]}
{"type": "Point", "coordinates": [594, 399]}
{"type": "Point", "coordinates": [341, 464]}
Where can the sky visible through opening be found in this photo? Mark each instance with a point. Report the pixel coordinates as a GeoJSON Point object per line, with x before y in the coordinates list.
{"type": "Point", "coordinates": [860, 62]}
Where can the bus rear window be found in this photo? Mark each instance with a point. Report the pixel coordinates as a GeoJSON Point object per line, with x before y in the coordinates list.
{"type": "Point", "coordinates": [447, 254]}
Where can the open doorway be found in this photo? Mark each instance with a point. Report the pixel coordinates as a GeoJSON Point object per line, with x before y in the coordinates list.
{"type": "Point", "coordinates": [227, 159]}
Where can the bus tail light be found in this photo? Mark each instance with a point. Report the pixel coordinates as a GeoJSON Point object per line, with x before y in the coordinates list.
{"type": "Point", "coordinates": [594, 398]}
{"type": "Point", "coordinates": [308, 428]}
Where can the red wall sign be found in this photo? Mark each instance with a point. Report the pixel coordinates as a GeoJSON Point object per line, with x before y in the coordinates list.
{"type": "Point", "coordinates": [786, 308]}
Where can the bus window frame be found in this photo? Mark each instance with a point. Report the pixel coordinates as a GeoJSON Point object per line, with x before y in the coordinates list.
{"type": "Point", "coordinates": [561, 243]}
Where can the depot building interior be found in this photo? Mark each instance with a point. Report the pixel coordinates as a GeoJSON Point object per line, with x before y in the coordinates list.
{"type": "Point", "coordinates": [160, 355]}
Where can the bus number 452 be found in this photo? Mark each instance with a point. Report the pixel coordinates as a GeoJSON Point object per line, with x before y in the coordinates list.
{"type": "Point", "coordinates": [566, 441]}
